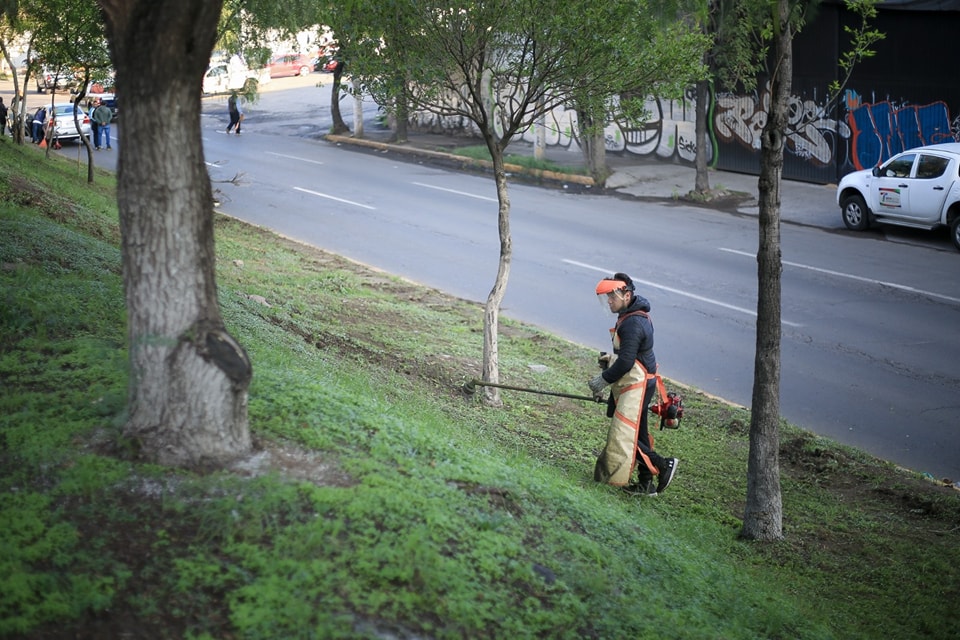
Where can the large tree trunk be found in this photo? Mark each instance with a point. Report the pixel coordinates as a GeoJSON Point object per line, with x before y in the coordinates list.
{"type": "Point", "coordinates": [763, 517]}
{"type": "Point", "coordinates": [491, 310]}
{"type": "Point", "coordinates": [188, 376]}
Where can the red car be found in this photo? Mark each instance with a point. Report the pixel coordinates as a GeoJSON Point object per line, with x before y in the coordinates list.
{"type": "Point", "coordinates": [290, 64]}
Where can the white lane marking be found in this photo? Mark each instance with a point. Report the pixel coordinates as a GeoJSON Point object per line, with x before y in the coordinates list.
{"type": "Point", "coordinates": [892, 285]}
{"type": "Point", "coordinates": [283, 155]}
{"type": "Point", "coordinates": [323, 195]}
{"type": "Point", "coordinates": [459, 193]}
{"type": "Point", "coordinates": [681, 293]}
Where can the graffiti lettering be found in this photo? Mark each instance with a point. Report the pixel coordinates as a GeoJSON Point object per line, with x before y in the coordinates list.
{"type": "Point", "coordinates": [870, 133]}
{"type": "Point", "coordinates": [881, 130]}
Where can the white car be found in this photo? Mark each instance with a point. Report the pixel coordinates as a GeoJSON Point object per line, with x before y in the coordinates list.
{"type": "Point", "coordinates": [66, 127]}
{"type": "Point", "coordinates": [224, 78]}
{"type": "Point", "coordinates": [919, 188]}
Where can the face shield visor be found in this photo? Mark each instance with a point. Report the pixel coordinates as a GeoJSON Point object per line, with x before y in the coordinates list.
{"type": "Point", "coordinates": [609, 290]}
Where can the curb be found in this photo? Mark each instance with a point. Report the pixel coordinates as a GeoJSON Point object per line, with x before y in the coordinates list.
{"type": "Point", "coordinates": [513, 168]}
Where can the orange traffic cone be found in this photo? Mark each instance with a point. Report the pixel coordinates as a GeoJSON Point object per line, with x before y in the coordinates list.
{"type": "Point", "coordinates": [43, 143]}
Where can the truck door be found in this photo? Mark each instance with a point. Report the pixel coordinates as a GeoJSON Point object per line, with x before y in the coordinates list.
{"type": "Point", "coordinates": [892, 186]}
{"type": "Point", "coordinates": [929, 188]}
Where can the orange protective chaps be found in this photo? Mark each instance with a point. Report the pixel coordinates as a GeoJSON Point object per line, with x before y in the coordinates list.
{"type": "Point", "coordinates": [615, 463]}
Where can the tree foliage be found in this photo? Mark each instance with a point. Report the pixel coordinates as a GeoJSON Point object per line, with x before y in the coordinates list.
{"type": "Point", "coordinates": [497, 67]}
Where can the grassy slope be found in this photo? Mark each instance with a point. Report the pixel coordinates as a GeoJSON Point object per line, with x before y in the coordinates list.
{"type": "Point", "coordinates": [382, 500]}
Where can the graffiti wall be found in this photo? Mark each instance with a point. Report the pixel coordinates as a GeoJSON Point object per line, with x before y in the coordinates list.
{"type": "Point", "coordinates": [884, 128]}
{"type": "Point", "coordinates": [894, 101]}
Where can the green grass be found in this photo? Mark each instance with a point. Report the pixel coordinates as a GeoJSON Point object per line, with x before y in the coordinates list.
{"type": "Point", "coordinates": [480, 152]}
{"type": "Point", "coordinates": [381, 500]}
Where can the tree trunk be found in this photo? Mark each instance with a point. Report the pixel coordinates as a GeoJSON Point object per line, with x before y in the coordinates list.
{"type": "Point", "coordinates": [84, 140]}
{"type": "Point", "coordinates": [188, 376]}
{"type": "Point", "coordinates": [540, 135]}
{"type": "Point", "coordinates": [702, 180]}
{"type": "Point", "coordinates": [403, 114]}
{"type": "Point", "coordinates": [763, 517]}
{"type": "Point", "coordinates": [357, 109]}
{"type": "Point", "coordinates": [594, 149]}
{"type": "Point", "coordinates": [14, 109]}
{"type": "Point", "coordinates": [339, 126]}
{"type": "Point", "coordinates": [491, 310]}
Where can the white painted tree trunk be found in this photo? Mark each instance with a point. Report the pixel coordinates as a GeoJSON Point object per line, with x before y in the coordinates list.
{"type": "Point", "coordinates": [357, 110]}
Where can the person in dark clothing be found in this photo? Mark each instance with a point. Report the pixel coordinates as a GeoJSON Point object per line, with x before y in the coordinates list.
{"type": "Point", "coordinates": [236, 113]}
{"type": "Point", "coordinates": [94, 127]}
{"type": "Point", "coordinates": [632, 374]}
{"type": "Point", "coordinates": [3, 119]}
{"type": "Point", "coordinates": [102, 115]}
{"type": "Point", "coordinates": [39, 123]}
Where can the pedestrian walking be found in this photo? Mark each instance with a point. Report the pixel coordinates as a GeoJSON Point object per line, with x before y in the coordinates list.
{"type": "Point", "coordinates": [631, 372]}
{"type": "Point", "coordinates": [236, 112]}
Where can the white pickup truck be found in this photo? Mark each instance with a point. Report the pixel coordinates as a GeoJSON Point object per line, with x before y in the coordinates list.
{"type": "Point", "coordinates": [232, 75]}
{"type": "Point", "coordinates": [919, 188]}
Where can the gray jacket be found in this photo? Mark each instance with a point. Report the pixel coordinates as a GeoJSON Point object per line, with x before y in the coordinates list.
{"type": "Point", "coordinates": [102, 115]}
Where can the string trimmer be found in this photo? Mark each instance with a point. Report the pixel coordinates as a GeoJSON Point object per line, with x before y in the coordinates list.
{"type": "Point", "coordinates": [471, 387]}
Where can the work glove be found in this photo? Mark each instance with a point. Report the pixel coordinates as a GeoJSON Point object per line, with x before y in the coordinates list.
{"type": "Point", "coordinates": [597, 384]}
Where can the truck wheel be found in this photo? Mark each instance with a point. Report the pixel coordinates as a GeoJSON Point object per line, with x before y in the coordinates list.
{"type": "Point", "coordinates": [955, 232]}
{"type": "Point", "coordinates": [854, 212]}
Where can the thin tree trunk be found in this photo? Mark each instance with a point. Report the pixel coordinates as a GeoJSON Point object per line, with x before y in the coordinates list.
{"type": "Point", "coordinates": [14, 110]}
{"type": "Point", "coordinates": [402, 115]}
{"type": "Point", "coordinates": [763, 516]}
{"type": "Point", "coordinates": [702, 180]}
{"type": "Point", "coordinates": [339, 126]}
{"type": "Point", "coordinates": [491, 310]}
{"type": "Point", "coordinates": [357, 109]}
{"type": "Point", "coordinates": [594, 149]}
{"type": "Point", "coordinates": [188, 376]}
{"type": "Point", "coordinates": [84, 140]}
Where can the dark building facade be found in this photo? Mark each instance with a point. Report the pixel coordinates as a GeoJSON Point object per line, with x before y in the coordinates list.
{"type": "Point", "coordinates": [904, 96]}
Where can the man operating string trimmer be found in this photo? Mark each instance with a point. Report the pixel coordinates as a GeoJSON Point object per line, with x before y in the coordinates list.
{"type": "Point", "coordinates": [631, 371]}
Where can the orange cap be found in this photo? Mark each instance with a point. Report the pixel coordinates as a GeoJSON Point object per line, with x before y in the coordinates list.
{"type": "Point", "coordinates": [609, 284]}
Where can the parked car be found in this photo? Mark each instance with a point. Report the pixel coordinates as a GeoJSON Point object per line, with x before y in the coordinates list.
{"type": "Point", "coordinates": [290, 64]}
{"type": "Point", "coordinates": [221, 78]}
{"type": "Point", "coordinates": [919, 188]}
{"type": "Point", "coordinates": [48, 80]}
{"type": "Point", "coordinates": [217, 79]}
{"type": "Point", "coordinates": [66, 129]}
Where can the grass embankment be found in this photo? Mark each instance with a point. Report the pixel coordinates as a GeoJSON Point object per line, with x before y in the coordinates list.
{"type": "Point", "coordinates": [382, 502]}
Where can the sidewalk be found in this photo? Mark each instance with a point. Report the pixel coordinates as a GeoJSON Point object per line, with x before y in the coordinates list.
{"type": "Point", "coordinates": [801, 202]}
